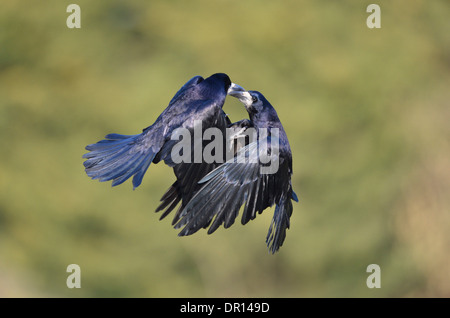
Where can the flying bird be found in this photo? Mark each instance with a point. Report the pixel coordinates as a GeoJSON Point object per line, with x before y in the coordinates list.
{"type": "Point", "coordinates": [213, 190]}
{"type": "Point", "coordinates": [240, 181]}
{"type": "Point", "coordinates": [120, 157]}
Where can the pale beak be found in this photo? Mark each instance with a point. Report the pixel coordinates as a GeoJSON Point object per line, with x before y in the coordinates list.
{"type": "Point", "coordinates": [235, 89]}
{"type": "Point", "coordinates": [240, 93]}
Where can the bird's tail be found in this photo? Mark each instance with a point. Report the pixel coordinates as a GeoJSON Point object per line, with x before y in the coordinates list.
{"type": "Point", "coordinates": [118, 157]}
{"type": "Point", "coordinates": [280, 223]}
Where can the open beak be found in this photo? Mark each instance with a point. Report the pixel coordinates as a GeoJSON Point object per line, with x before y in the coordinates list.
{"type": "Point", "coordinates": [240, 93]}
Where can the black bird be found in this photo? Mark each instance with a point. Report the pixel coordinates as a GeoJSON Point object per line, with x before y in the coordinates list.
{"type": "Point", "coordinates": [119, 157]}
{"type": "Point", "coordinates": [241, 180]}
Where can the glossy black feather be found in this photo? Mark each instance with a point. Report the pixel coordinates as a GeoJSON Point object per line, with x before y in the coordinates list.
{"type": "Point", "coordinates": [119, 157]}
{"type": "Point", "coordinates": [240, 182]}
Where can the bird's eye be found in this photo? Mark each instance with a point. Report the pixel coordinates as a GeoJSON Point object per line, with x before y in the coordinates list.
{"type": "Point", "coordinates": [254, 99]}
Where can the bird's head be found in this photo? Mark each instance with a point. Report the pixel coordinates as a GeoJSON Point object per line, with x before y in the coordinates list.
{"type": "Point", "coordinates": [220, 79]}
{"type": "Point", "coordinates": [253, 101]}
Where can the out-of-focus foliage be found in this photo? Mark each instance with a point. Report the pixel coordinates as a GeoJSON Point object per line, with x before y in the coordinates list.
{"type": "Point", "coordinates": [366, 111]}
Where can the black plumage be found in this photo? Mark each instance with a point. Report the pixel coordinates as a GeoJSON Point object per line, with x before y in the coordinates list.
{"type": "Point", "coordinates": [240, 181]}
{"type": "Point", "coordinates": [119, 157]}
{"type": "Point", "coordinates": [211, 193]}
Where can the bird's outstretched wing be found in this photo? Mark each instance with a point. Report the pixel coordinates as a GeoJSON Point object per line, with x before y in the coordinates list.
{"type": "Point", "coordinates": [237, 182]}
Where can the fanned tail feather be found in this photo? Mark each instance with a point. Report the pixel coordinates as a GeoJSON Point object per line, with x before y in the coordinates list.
{"type": "Point", "coordinates": [117, 158]}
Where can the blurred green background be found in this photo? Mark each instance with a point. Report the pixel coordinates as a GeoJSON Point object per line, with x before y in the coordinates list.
{"type": "Point", "coordinates": [366, 111]}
